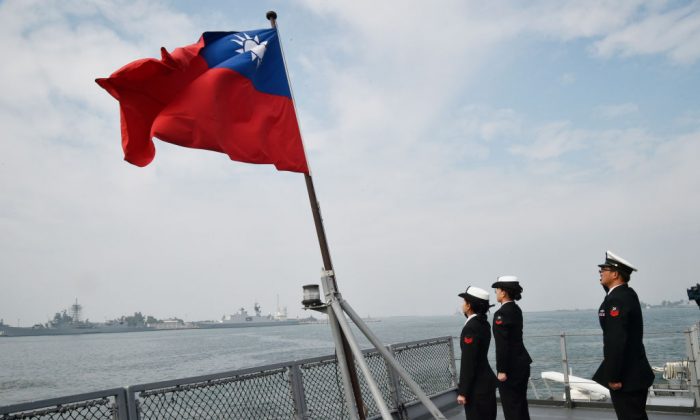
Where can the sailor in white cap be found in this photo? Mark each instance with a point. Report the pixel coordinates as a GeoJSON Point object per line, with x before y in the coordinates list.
{"type": "Point", "coordinates": [625, 369]}
{"type": "Point", "coordinates": [476, 389]}
{"type": "Point", "coordinates": [512, 359]}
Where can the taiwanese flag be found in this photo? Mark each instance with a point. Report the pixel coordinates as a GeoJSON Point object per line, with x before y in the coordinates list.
{"type": "Point", "coordinates": [228, 93]}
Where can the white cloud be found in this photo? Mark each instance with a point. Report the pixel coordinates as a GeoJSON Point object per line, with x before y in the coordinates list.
{"type": "Point", "coordinates": [551, 141]}
{"type": "Point", "coordinates": [674, 33]}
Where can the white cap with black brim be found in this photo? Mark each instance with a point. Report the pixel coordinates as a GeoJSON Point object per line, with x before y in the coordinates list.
{"type": "Point", "coordinates": [617, 262]}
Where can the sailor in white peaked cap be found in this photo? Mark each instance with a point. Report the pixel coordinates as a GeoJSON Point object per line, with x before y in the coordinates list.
{"type": "Point", "coordinates": [625, 370]}
{"type": "Point", "coordinates": [476, 389]}
{"type": "Point", "coordinates": [512, 359]}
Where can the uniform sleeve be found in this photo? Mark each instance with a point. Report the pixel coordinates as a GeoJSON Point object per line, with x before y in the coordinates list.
{"type": "Point", "coordinates": [469, 344]}
{"type": "Point", "coordinates": [501, 333]}
{"type": "Point", "coordinates": [616, 325]}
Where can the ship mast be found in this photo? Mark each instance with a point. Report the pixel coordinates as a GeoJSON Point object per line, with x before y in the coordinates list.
{"type": "Point", "coordinates": [76, 312]}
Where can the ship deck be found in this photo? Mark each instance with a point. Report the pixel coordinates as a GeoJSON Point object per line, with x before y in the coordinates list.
{"type": "Point", "coordinates": [579, 413]}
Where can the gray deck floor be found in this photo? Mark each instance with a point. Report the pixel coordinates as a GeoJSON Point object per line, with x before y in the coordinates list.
{"type": "Point", "coordinates": [540, 412]}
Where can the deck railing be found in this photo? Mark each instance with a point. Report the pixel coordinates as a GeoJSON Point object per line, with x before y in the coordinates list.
{"type": "Point", "coordinates": [311, 388]}
{"type": "Point", "coordinates": [110, 404]}
{"type": "Point", "coordinates": [581, 354]}
{"type": "Point", "coordinates": [304, 389]}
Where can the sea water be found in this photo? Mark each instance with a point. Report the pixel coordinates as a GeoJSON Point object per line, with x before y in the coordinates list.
{"type": "Point", "coordinates": [33, 368]}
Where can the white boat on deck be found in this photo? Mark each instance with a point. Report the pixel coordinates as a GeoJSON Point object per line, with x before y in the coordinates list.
{"type": "Point", "coordinates": [583, 389]}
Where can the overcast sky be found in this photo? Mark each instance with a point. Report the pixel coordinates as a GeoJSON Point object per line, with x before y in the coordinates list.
{"type": "Point", "coordinates": [450, 143]}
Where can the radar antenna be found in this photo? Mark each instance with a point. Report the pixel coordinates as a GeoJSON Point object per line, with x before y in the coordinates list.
{"type": "Point", "coordinates": [76, 312]}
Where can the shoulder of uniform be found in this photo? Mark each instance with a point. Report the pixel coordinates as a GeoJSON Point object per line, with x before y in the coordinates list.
{"type": "Point", "coordinates": [468, 328]}
{"type": "Point", "coordinates": [484, 324]}
{"type": "Point", "coordinates": [630, 291]}
{"type": "Point", "coordinates": [505, 309]}
{"type": "Point", "coordinates": [616, 299]}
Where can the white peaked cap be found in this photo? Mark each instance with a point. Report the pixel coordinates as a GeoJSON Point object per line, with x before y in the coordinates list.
{"type": "Point", "coordinates": [613, 260]}
{"type": "Point", "coordinates": [507, 279]}
{"type": "Point", "coordinates": [475, 293]}
{"type": "Point", "coordinates": [478, 292]}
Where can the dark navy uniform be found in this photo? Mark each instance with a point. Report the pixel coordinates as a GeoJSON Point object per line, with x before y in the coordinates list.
{"type": "Point", "coordinates": [477, 382]}
{"type": "Point", "coordinates": [512, 359]}
{"type": "Point", "coordinates": [625, 359]}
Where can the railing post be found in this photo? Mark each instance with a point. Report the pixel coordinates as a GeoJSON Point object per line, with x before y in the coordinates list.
{"type": "Point", "coordinates": [122, 406]}
{"type": "Point", "coordinates": [131, 404]}
{"type": "Point", "coordinates": [565, 366]}
{"type": "Point", "coordinates": [297, 384]}
{"type": "Point", "coordinates": [453, 363]}
{"type": "Point", "coordinates": [691, 345]}
{"type": "Point", "coordinates": [395, 387]}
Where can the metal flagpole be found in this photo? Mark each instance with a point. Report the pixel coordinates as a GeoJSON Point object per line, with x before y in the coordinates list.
{"type": "Point", "coordinates": [346, 344]}
{"type": "Point", "coordinates": [340, 354]}
{"type": "Point", "coordinates": [374, 389]}
{"type": "Point", "coordinates": [391, 361]}
{"type": "Point", "coordinates": [344, 352]}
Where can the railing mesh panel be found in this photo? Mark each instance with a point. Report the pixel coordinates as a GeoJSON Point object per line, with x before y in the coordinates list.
{"type": "Point", "coordinates": [97, 409]}
{"type": "Point", "coordinates": [323, 387]}
{"type": "Point", "coordinates": [264, 395]}
{"type": "Point", "coordinates": [428, 364]}
{"type": "Point", "coordinates": [323, 390]}
{"type": "Point", "coordinates": [376, 365]}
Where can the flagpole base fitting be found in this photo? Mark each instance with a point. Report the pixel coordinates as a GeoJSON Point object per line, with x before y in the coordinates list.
{"type": "Point", "coordinates": [318, 308]}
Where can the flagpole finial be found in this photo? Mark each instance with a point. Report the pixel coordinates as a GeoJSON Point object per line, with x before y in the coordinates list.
{"type": "Point", "coordinates": [271, 15]}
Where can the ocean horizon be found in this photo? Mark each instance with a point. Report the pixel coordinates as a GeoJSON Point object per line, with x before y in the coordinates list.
{"type": "Point", "coordinates": [40, 367]}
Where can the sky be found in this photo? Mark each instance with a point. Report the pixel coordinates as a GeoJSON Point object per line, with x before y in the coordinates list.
{"type": "Point", "coordinates": [450, 143]}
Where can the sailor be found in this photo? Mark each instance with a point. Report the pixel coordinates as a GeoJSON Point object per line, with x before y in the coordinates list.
{"type": "Point", "coordinates": [625, 370]}
{"type": "Point", "coordinates": [477, 382]}
{"type": "Point", "coordinates": [512, 359]}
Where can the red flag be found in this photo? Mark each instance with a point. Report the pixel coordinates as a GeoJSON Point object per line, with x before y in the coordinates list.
{"type": "Point", "coordinates": [227, 93]}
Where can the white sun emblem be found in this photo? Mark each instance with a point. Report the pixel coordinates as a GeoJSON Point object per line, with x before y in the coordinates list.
{"type": "Point", "coordinates": [256, 48]}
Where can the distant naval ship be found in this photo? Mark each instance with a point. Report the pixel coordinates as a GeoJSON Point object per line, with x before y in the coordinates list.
{"type": "Point", "coordinates": [70, 322]}
{"type": "Point", "coordinates": [243, 319]}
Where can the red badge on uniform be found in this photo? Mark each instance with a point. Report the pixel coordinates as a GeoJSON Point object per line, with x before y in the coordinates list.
{"type": "Point", "coordinates": [468, 340]}
{"type": "Point", "coordinates": [499, 320]}
{"type": "Point", "coordinates": [614, 311]}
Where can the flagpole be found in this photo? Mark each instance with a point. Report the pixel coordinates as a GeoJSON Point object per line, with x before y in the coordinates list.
{"type": "Point", "coordinates": [344, 353]}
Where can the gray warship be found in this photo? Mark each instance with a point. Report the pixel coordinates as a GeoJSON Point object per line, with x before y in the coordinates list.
{"type": "Point", "coordinates": [70, 322]}
{"type": "Point", "coordinates": [243, 319]}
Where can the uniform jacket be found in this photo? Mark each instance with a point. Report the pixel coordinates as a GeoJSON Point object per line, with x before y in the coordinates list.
{"type": "Point", "coordinates": [475, 376]}
{"type": "Point", "coordinates": [624, 357]}
{"type": "Point", "coordinates": [511, 356]}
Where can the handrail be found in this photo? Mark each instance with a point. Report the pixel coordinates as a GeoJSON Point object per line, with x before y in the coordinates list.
{"type": "Point", "coordinates": [293, 387]}
{"type": "Point", "coordinates": [308, 388]}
